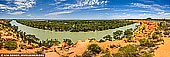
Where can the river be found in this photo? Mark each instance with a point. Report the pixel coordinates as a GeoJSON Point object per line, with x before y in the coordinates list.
{"type": "Point", "coordinates": [74, 36]}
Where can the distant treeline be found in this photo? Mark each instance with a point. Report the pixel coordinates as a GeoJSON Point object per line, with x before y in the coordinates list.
{"type": "Point", "coordinates": [75, 25]}
{"type": "Point", "coordinates": [151, 19]}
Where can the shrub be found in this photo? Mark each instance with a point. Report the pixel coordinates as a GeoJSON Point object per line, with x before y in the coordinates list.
{"type": "Point", "coordinates": [101, 40]}
{"type": "Point", "coordinates": [147, 55]}
{"type": "Point", "coordinates": [94, 48]}
{"type": "Point", "coordinates": [108, 37]}
{"type": "Point", "coordinates": [22, 46]}
{"type": "Point", "coordinates": [11, 45]}
{"type": "Point", "coordinates": [68, 41]}
{"type": "Point", "coordinates": [92, 39]}
{"type": "Point", "coordinates": [88, 54]}
{"type": "Point", "coordinates": [107, 55]}
{"type": "Point", "coordinates": [117, 35]}
{"type": "Point", "coordinates": [48, 43]}
{"type": "Point", "coordinates": [128, 49]}
{"type": "Point", "coordinates": [118, 55]}
{"type": "Point", "coordinates": [39, 52]}
{"type": "Point", "coordinates": [146, 42]}
{"type": "Point", "coordinates": [1, 44]}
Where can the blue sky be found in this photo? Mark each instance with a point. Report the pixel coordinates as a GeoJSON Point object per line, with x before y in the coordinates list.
{"type": "Point", "coordinates": [84, 9]}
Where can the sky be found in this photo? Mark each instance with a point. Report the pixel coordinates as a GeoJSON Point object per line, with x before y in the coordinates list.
{"type": "Point", "coordinates": [84, 9]}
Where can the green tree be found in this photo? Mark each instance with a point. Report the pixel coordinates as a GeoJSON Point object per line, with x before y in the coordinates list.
{"type": "Point", "coordinates": [11, 45]}
{"type": "Point", "coordinates": [31, 39]}
{"type": "Point", "coordinates": [147, 55]}
{"type": "Point", "coordinates": [88, 54]}
{"type": "Point", "coordinates": [68, 41]}
{"type": "Point", "coordinates": [15, 27]}
{"type": "Point", "coordinates": [118, 55]}
{"type": "Point", "coordinates": [1, 43]}
{"type": "Point", "coordinates": [101, 40]}
{"type": "Point", "coordinates": [117, 34]}
{"type": "Point", "coordinates": [162, 24]}
{"type": "Point", "coordinates": [128, 32]}
{"type": "Point", "coordinates": [149, 18]}
{"type": "Point", "coordinates": [92, 39]}
{"type": "Point", "coordinates": [107, 55]}
{"type": "Point", "coordinates": [129, 51]}
{"type": "Point", "coordinates": [129, 38]}
{"type": "Point", "coordinates": [94, 48]}
{"type": "Point", "coordinates": [0, 35]}
{"type": "Point", "coordinates": [108, 37]}
{"type": "Point", "coordinates": [146, 42]}
{"type": "Point", "coordinates": [56, 42]}
{"type": "Point", "coordinates": [49, 43]}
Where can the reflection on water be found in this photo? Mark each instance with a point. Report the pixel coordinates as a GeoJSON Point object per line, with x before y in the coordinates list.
{"type": "Point", "coordinates": [74, 36]}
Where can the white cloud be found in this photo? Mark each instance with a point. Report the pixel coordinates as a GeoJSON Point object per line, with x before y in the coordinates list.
{"type": "Point", "coordinates": [29, 15]}
{"type": "Point", "coordinates": [141, 16]}
{"type": "Point", "coordinates": [131, 10]}
{"type": "Point", "coordinates": [106, 13]}
{"type": "Point", "coordinates": [60, 0]}
{"type": "Point", "coordinates": [164, 13]}
{"type": "Point", "coordinates": [122, 10]}
{"type": "Point", "coordinates": [141, 5]}
{"type": "Point", "coordinates": [122, 16]}
{"type": "Point", "coordinates": [141, 11]}
{"type": "Point", "coordinates": [102, 9]}
{"type": "Point", "coordinates": [21, 0]}
{"type": "Point", "coordinates": [17, 5]}
{"type": "Point", "coordinates": [76, 5]}
{"type": "Point", "coordinates": [58, 13]}
{"type": "Point", "coordinates": [41, 9]}
{"type": "Point", "coordinates": [81, 4]}
{"type": "Point", "coordinates": [16, 13]}
{"type": "Point", "coordinates": [123, 13]}
{"type": "Point", "coordinates": [79, 8]}
{"type": "Point", "coordinates": [167, 14]}
{"type": "Point", "coordinates": [2, 5]}
{"type": "Point", "coordinates": [2, 10]}
{"type": "Point", "coordinates": [160, 12]}
{"type": "Point", "coordinates": [147, 1]}
{"type": "Point", "coordinates": [153, 7]}
{"type": "Point", "coordinates": [24, 4]}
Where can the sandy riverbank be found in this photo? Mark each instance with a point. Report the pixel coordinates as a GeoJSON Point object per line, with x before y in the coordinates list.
{"type": "Point", "coordinates": [163, 50]}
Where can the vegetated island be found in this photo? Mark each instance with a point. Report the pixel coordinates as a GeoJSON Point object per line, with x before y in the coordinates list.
{"type": "Point", "coordinates": [75, 25]}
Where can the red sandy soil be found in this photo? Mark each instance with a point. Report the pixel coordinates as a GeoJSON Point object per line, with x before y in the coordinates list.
{"type": "Point", "coordinates": [79, 48]}
{"type": "Point", "coordinates": [52, 54]}
{"type": "Point", "coordinates": [163, 50]}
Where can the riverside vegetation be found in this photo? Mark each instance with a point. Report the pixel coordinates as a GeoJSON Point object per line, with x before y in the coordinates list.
{"type": "Point", "coordinates": [75, 25]}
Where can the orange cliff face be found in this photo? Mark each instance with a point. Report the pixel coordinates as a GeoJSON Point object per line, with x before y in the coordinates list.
{"type": "Point", "coordinates": [3, 21]}
{"type": "Point", "coordinates": [145, 29]}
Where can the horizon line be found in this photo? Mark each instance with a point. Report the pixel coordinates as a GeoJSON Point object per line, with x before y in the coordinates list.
{"type": "Point", "coordinates": [83, 18]}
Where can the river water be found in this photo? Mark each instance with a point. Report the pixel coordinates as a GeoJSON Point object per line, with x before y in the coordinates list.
{"type": "Point", "coordinates": [74, 36]}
